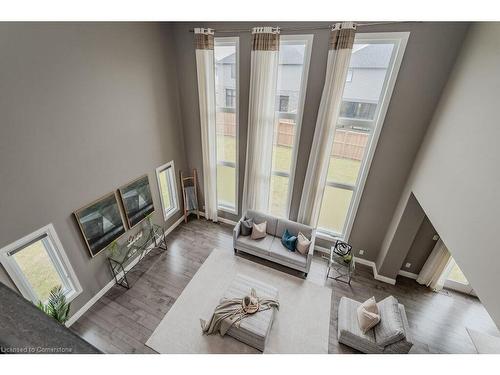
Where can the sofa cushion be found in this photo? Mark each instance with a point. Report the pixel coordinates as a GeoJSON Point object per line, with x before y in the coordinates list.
{"type": "Point", "coordinates": [303, 244]}
{"type": "Point", "coordinates": [293, 227]}
{"type": "Point", "coordinates": [261, 246]}
{"type": "Point", "coordinates": [246, 227]}
{"type": "Point", "coordinates": [289, 241]}
{"type": "Point", "coordinates": [390, 329]}
{"type": "Point", "coordinates": [280, 252]}
{"type": "Point", "coordinates": [259, 231]}
{"type": "Point", "coordinates": [259, 218]}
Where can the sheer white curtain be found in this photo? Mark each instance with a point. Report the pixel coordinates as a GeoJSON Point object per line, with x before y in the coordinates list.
{"type": "Point", "coordinates": [261, 117]}
{"type": "Point", "coordinates": [436, 268]}
{"type": "Point", "coordinates": [205, 68]}
{"type": "Point", "coordinates": [339, 55]}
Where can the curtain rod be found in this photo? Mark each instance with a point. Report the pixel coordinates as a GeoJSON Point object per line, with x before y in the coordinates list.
{"type": "Point", "coordinates": [308, 28]}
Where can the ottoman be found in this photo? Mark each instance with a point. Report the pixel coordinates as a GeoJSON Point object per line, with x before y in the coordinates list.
{"type": "Point", "coordinates": [254, 329]}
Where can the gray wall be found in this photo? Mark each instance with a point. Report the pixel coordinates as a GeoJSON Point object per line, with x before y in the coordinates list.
{"type": "Point", "coordinates": [84, 108]}
{"type": "Point", "coordinates": [429, 57]}
{"type": "Point", "coordinates": [421, 247]}
{"type": "Point", "coordinates": [411, 220]}
{"type": "Point", "coordinates": [456, 178]}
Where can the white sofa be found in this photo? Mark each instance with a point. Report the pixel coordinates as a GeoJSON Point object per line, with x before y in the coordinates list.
{"type": "Point", "coordinates": [270, 247]}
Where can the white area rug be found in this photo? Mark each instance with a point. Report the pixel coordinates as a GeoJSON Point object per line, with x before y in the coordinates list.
{"type": "Point", "coordinates": [301, 325]}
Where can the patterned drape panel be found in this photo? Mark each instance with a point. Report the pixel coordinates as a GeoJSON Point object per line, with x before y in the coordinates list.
{"type": "Point", "coordinates": [205, 68]}
{"type": "Point", "coordinates": [261, 117]}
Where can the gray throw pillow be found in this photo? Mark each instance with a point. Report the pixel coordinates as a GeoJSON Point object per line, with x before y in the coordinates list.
{"type": "Point", "coordinates": [246, 227]}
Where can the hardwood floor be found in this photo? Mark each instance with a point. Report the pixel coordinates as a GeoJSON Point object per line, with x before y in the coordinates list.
{"type": "Point", "coordinates": [122, 320]}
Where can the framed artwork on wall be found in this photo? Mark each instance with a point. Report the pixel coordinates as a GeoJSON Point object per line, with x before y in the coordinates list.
{"type": "Point", "coordinates": [100, 222]}
{"type": "Point", "coordinates": [137, 200]}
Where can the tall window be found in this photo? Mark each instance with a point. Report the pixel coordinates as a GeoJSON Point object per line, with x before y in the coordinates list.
{"type": "Point", "coordinates": [37, 263]}
{"type": "Point", "coordinates": [165, 175]}
{"type": "Point", "coordinates": [374, 65]}
{"type": "Point", "coordinates": [226, 86]}
{"type": "Point", "coordinates": [294, 57]}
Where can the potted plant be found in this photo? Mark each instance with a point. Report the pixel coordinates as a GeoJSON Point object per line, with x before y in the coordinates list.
{"type": "Point", "coordinates": [56, 305]}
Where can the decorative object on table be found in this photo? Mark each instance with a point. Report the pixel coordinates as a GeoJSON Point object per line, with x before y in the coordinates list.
{"type": "Point", "coordinates": [342, 248]}
{"type": "Point", "coordinates": [231, 311]}
{"type": "Point", "coordinates": [56, 306]}
{"type": "Point", "coordinates": [137, 200]}
{"type": "Point", "coordinates": [340, 262]}
{"type": "Point", "coordinates": [190, 194]}
{"type": "Point", "coordinates": [100, 223]}
{"type": "Point", "coordinates": [390, 335]}
{"type": "Point", "coordinates": [113, 247]}
{"type": "Point", "coordinates": [270, 247]}
{"type": "Point", "coordinates": [121, 261]}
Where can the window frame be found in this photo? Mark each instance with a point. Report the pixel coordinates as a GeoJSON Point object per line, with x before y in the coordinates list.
{"type": "Point", "coordinates": [232, 40]}
{"type": "Point", "coordinates": [174, 193]}
{"type": "Point", "coordinates": [400, 40]}
{"type": "Point", "coordinates": [57, 255]}
{"type": "Point", "coordinates": [299, 115]}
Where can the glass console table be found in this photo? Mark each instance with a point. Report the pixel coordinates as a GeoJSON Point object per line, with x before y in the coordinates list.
{"type": "Point", "coordinates": [125, 255]}
{"type": "Point", "coordinates": [340, 269]}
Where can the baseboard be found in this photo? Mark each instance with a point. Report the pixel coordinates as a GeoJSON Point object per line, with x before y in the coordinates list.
{"type": "Point", "coordinates": [410, 275]}
{"type": "Point", "coordinates": [112, 282]}
{"type": "Point", "coordinates": [385, 279]}
{"type": "Point", "coordinates": [365, 262]}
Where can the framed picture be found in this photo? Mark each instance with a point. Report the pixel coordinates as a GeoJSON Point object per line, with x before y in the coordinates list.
{"type": "Point", "coordinates": [100, 222]}
{"type": "Point", "coordinates": [137, 200]}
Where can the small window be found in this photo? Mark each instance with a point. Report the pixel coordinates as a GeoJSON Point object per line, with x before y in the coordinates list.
{"type": "Point", "coordinates": [37, 263]}
{"type": "Point", "coordinates": [284, 101]}
{"type": "Point", "coordinates": [165, 175]}
{"type": "Point", "coordinates": [230, 98]}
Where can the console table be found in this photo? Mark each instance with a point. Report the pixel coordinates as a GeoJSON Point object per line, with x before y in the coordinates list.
{"type": "Point", "coordinates": [127, 254]}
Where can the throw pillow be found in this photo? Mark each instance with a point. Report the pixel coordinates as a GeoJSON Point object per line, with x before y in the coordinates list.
{"type": "Point", "coordinates": [246, 227]}
{"type": "Point", "coordinates": [368, 316]}
{"type": "Point", "coordinates": [259, 231]}
{"type": "Point", "coordinates": [303, 244]}
{"type": "Point", "coordinates": [288, 240]}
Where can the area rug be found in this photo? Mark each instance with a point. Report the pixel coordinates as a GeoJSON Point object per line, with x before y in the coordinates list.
{"type": "Point", "coordinates": [301, 325]}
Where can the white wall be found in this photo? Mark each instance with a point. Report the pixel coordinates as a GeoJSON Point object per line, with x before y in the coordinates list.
{"type": "Point", "coordinates": [456, 176]}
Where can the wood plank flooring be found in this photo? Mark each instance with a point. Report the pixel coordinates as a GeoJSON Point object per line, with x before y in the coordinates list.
{"type": "Point", "coordinates": [122, 320]}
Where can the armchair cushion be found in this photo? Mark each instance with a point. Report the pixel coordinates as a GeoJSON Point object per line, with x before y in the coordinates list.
{"type": "Point", "coordinates": [390, 329]}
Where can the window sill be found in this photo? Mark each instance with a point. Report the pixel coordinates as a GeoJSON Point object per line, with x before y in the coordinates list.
{"type": "Point", "coordinates": [229, 210]}
{"type": "Point", "coordinates": [169, 214]}
{"type": "Point", "coordinates": [327, 236]}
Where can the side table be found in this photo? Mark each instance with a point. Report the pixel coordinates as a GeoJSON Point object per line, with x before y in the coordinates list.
{"type": "Point", "coordinates": [340, 269]}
